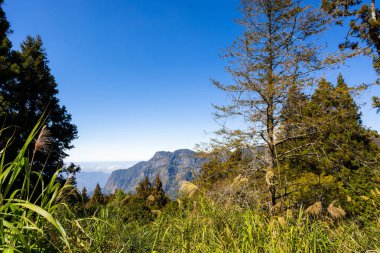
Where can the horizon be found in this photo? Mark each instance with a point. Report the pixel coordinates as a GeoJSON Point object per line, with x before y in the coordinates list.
{"type": "Point", "coordinates": [140, 81]}
{"type": "Point", "coordinates": [110, 166]}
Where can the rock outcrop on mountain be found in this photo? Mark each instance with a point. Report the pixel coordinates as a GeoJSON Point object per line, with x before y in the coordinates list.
{"type": "Point", "coordinates": [172, 167]}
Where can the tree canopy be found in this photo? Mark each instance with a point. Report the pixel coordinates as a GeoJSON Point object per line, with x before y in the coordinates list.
{"type": "Point", "coordinates": [274, 56]}
{"type": "Point", "coordinates": [28, 91]}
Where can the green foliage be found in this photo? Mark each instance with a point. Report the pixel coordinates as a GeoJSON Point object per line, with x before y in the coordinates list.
{"type": "Point", "coordinates": [97, 198]}
{"type": "Point", "coordinates": [28, 217]}
{"type": "Point", "coordinates": [334, 135]}
{"type": "Point", "coordinates": [32, 92]}
{"type": "Point", "coordinates": [222, 166]}
{"type": "Point", "coordinates": [158, 198]}
{"type": "Point", "coordinates": [144, 189]}
{"type": "Point", "coordinates": [84, 195]}
{"type": "Point", "coordinates": [328, 150]}
{"type": "Point", "coordinates": [364, 25]}
{"type": "Point", "coordinates": [5, 48]}
{"type": "Point", "coordinates": [201, 225]}
{"type": "Point", "coordinates": [376, 103]}
{"type": "Point", "coordinates": [136, 210]}
{"type": "Point", "coordinates": [27, 90]}
{"type": "Point", "coordinates": [319, 153]}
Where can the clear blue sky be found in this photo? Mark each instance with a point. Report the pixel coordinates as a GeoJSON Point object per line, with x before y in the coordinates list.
{"type": "Point", "coordinates": [135, 75]}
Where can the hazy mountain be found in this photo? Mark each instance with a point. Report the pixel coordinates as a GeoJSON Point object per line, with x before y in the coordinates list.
{"type": "Point", "coordinates": [90, 179]}
{"type": "Point", "coordinates": [98, 172]}
{"type": "Point", "coordinates": [171, 166]}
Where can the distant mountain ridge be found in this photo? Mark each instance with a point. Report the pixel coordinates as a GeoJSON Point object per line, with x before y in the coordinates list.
{"type": "Point", "coordinates": [172, 167]}
{"type": "Point", "coordinates": [89, 179]}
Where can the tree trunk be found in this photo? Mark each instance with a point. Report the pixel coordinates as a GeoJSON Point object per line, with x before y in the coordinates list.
{"type": "Point", "coordinates": [373, 9]}
{"type": "Point", "coordinates": [271, 106]}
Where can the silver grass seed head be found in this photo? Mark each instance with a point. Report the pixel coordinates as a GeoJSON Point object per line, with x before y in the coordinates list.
{"type": "Point", "coordinates": [43, 141]}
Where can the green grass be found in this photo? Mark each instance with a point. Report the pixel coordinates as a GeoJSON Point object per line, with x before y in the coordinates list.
{"type": "Point", "coordinates": [28, 216]}
{"type": "Point", "coordinates": [206, 227]}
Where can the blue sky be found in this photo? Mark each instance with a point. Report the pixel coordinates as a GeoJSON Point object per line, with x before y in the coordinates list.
{"type": "Point", "coordinates": [135, 75]}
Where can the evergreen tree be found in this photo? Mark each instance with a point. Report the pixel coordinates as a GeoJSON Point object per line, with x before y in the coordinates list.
{"type": "Point", "coordinates": [376, 103]}
{"type": "Point", "coordinates": [339, 130]}
{"type": "Point", "coordinates": [32, 92]}
{"type": "Point", "coordinates": [332, 131]}
{"type": "Point", "coordinates": [335, 151]}
{"type": "Point", "coordinates": [221, 166]}
{"type": "Point", "coordinates": [5, 45]}
{"type": "Point", "coordinates": [364, 25]}
{"type": "Point", "coordinates": [97, 198]}
{"type": "Point", "coordinates": [84, 195]}
{"type": "Point", "coordinates": [5, 55]}
{"type": "Point", "coordinates": [144, 189]}
{"type": "Point", "coordinates": [158, 193]}
{"type": "Point", "coordinates": [274, 54]}
{"type": "Point", "coordinates": [71, 171]}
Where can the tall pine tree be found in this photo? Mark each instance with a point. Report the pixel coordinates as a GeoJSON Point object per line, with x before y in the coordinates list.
{"type": "Point", "coordinates": [334, 152]}
{"type": "Point", "coordinates": [5, 55]}
{"type": "Point", "coordinates": [274, 54]}
{"type": "Point", "coordinates": [32, 92]}
{"type": "Point", "coordinates": [160, 200]}
{"type": "Point", "coordinates": [363, 34]}
{"type": "Point", "coordinates": [144, 189]}
{"type": "Point", "coordinates": [97, 198]}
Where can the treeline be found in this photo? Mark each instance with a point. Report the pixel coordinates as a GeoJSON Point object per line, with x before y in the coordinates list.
{"type": "Point", "coordinates": [323, 155]}
{"type": "Point", "coordinates": [143, 206]}
{"type": "Point", "coordinates": [303, 143]}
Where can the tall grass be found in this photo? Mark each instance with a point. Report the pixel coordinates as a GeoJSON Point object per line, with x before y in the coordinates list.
{"type": "Point", "coordinates": [203, 226]}
{"type": "Point", "coordinates": [28, 220]}
{"type": "Point", "coordinates": [33, 218]}
{"type": "Point", "coordinates": [211, 228]}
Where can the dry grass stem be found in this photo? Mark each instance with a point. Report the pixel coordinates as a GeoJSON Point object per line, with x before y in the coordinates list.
{"type": "Point", "coordinates": [269, 177]}
{"type": "Point", "coordinates": [336, 212]}
{"type": "Point", "coordinates": [315, 209]}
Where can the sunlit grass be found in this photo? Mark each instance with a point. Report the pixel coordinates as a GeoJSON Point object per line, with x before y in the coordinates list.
{"type": "Point", "coordinates": [35, 219]}
{"type": "Point", "coordinates": [28, 214]}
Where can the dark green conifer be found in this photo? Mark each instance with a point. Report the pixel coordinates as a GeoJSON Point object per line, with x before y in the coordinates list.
{"type": "Point", "coordinates": [376, 103]}
{"type": "Point", "coordinates": [158, 193]}
{"type": "Point", "coordinates": [97, 198]}
{"type": "Point", "coordinates": [29, 94]}
{"type": "Point", "coordinates": [5, 55]}
{"type": "Point", "coordinates": [144, 189]}
{"type": "Point", "coordinates": [335, 151]}
{"type": "Point", "coordinates": [84, 195]}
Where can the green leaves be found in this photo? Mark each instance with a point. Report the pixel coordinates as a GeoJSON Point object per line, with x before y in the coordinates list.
{"type": "Point", "coordinates": [28, 212]}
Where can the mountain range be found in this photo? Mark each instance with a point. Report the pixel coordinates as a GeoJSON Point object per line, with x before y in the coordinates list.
{"type": "Point", "coordinates": [89, 179]}
{"type": "Point", "coordinates": [172, 167]}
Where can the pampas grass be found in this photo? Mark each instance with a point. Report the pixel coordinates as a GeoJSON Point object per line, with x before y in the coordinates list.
{"type": "Point", "coordinates": [210, 227]}
{"type": "Point", "coordinates": [188, 189]}
{"type": "Point", "coordinates": [269, 177]}
{"type": "Point", "coordinates": [315, 209]}
{"type": "Point", "coordinates": [335, 212]}
{"type": "Point", "coordinates": [43, 141]}
{"type": "Point", "coordinates": [28, 216]}
{"type": "Point", "coordinates": [41, 144]}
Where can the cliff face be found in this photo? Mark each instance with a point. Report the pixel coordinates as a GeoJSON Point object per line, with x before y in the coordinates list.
{"type": "Point", "coordinates": [171, 166]}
